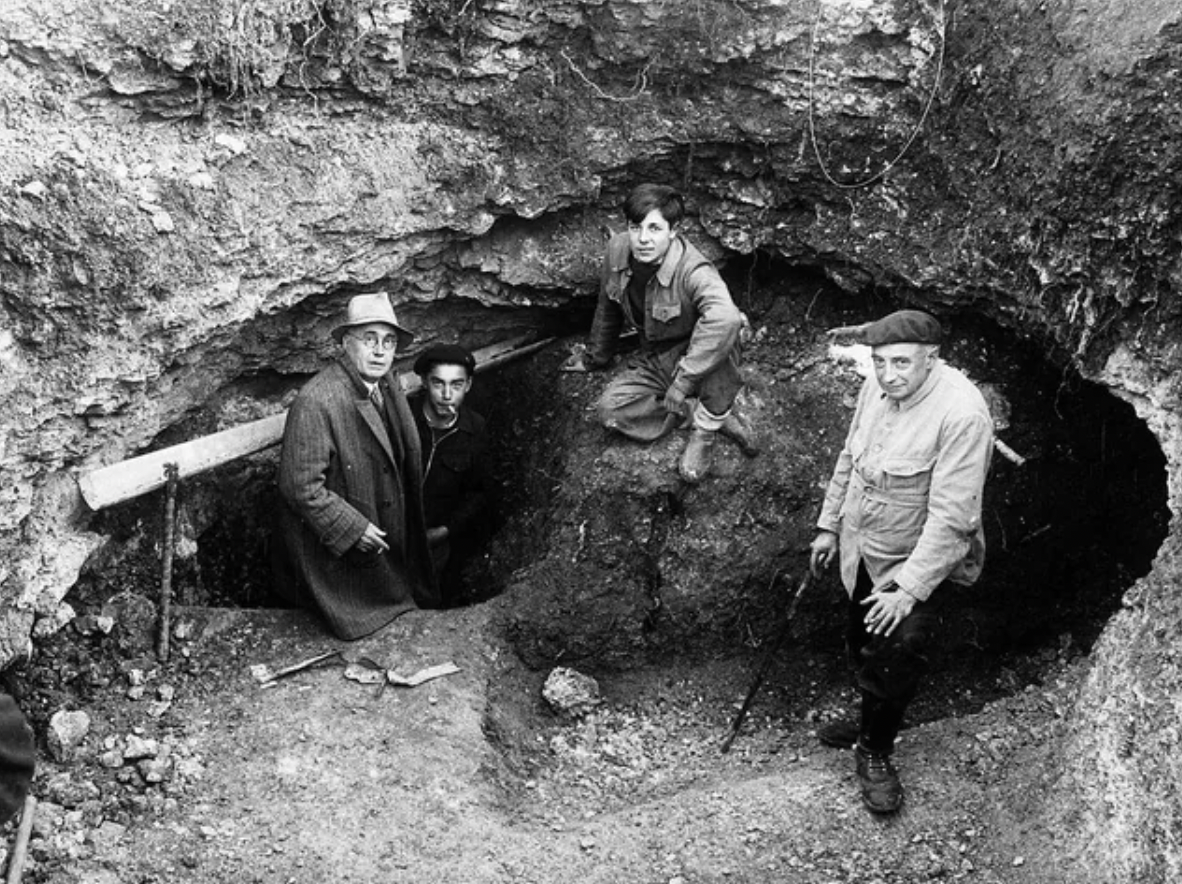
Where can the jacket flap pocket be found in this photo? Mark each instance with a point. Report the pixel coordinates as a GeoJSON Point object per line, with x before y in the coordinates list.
{"type": "Point", "coordinates": [666, 312]}
{"type": "Point", "coordinates": [907, 467]}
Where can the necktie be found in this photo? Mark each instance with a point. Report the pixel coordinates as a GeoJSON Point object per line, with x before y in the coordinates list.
{"type": "Point", "coordinates": [375, 396]}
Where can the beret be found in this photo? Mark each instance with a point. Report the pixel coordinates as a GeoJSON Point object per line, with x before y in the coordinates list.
{"type": "Point", "coordinates": [904, 327]}
{"type": "Point", "coordinates": [444, 354]}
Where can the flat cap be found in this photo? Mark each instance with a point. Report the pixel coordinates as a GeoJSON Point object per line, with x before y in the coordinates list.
{"type": "Point", "coordinates": [904, 327]}
{"type": "Point", "coordinates": [444, 354]}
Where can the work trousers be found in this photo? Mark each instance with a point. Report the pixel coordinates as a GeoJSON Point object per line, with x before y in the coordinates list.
{"type": "Point", "coordinates": [633, 402]}
{"type": "Point", "coordinates": [888, 669]}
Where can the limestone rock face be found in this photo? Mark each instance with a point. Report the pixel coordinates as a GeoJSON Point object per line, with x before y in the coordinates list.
{"type": "Point", "coordinates": [189, 191]}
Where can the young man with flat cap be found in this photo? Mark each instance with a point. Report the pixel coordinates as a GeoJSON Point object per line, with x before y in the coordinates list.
{"type": "Point", "coordinates": [902, 515]}
{"type": "Point", "coordinates": [456, 487]}
{"type": "Point", "coordinates": [687, 368]}
{"type": "Point", "coordinates": [352, 541]}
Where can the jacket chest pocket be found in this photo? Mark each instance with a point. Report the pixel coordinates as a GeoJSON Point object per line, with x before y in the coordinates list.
{"type": "Point", "coordinates": [895, 497]}
{"type": "Point", "coordinates": [908, 476]}
{"type": "Point", "coordinates": [666, 311]}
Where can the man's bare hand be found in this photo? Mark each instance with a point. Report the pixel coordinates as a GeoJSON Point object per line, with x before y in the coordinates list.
{"type": "Point", "coordinates": [889, 607]}
{"type": "Point", "coordinates": [373, 540]}
{"type": "Point", "coordinates": [675, 400]}
{"type": "Point", "coordinates": [822, 551]}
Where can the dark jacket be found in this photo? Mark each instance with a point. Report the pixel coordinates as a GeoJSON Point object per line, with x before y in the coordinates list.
{"type": "Point", "coordinates": [344, 465]}
{"type": "Point", "coordinates": [686, 299]}
{"type": "Point", "coordinates": [456, 486]}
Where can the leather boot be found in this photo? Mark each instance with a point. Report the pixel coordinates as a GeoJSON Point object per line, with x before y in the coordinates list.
{"type": "Point", "coordinates": [741, 432]}
{"type": "Point", "coordinates": [881, 790]}
{"type": "Point", "coordinates": [698, 454]}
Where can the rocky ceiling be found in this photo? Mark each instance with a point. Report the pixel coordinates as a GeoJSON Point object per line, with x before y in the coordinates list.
{"type": "Point", "coordinates": [188, 192]}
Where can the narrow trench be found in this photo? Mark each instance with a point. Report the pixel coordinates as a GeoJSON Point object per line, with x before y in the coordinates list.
{"type": "Point", "coordinates": [1068, 532]}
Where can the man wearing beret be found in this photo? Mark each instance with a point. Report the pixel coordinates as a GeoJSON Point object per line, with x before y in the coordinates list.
{"type": "Point", "coordinates": [456, 488]}
{"type": "Point", "coordinates": [902, 515]}
{"type": "Point", "coordinates": [352, 542]}
{"type": "Point", "coordinates": [687, 369]}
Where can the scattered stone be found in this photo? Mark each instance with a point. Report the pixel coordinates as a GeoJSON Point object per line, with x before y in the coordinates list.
{"type": "Point", "coordinates": [189, 768]}
{"type": "Point", "coordinates": [55, 622]}
{"type": "Point", "coordinates": [127, 776]}
{"type": "Point", "coordinates": [48, 818]}
{"type": "Point", "coordinates": [201, 181]}
{"type": "Point", "coordinates": [89, 624]}
{"type": "Point", "coordinates": [107, 835]}
{"type": "Point", "coordinates": [138, 748]}
{"type": "Point", "coordinates": [112, 758]}
{"type": "Point", "coordinates": [231, 143]}
{"type": "Point", "coordinates": [153, 770]}
{"type": "Point", "coordinates": [165, 692]}
{"type": "Point", "coordinates": [67, 792]}
{"type": "Point", "coordinates": [163, 222]}
{"type": "Point", "coordinates": [67, 730]}
{"type": "Point", "coordinates": [34, 189]}
{"type": "Point", "coordinates": [135, 677]}
{"type": "Point", "coordinates": [135, 692]}
{"type": "Point", "coordinates": [571, 692]}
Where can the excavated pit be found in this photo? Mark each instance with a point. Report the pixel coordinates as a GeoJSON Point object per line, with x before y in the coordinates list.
{"type": "Point", "coordinates": [1068, 532]}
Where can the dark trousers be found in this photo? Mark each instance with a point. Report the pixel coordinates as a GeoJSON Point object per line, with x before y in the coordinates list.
{"type": "Point", "coordinates": [633, 401]}
{"type": "Point", "coordinates": [888, 669]}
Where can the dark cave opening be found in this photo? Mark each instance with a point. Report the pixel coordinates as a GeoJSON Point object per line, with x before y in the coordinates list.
{"type": "Point", "coordinates": [1068, 531]}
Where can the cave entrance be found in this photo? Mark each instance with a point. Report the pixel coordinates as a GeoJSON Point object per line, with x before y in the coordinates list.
{"type": "Point", "coordinates": [1068, 531]}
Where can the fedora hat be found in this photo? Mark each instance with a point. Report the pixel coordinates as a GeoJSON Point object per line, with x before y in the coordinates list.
{"type": "Point", "coordinates": [365, 309]}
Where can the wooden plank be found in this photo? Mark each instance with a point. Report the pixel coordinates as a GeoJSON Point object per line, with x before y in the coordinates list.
{"type": "Point", "coordinates": [130, 478]}
{"type": "Point", "coordinates": [138, 475]}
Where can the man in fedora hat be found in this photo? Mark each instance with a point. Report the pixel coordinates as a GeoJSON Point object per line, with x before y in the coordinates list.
{"type": "Point", "coordinates": [352, 541]}
{"type": "Point", "coordinates": [456, 486]}
{"type": "Point", "coordinates": [902, 516]}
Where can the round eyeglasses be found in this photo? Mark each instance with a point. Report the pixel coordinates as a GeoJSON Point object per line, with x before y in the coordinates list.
{"type": "Point", "coordinates": [375, 341]}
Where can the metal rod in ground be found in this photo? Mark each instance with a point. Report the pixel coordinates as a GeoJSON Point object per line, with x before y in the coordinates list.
{"type": "Point", "coordinates": [170, 472]}
{"type": "Point", "coordinates": [20, 847]}
{"type": "Point", "coordinates": [768, 658]}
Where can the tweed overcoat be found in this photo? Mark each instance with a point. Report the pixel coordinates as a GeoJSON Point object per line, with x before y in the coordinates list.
{"type": "Point", "coordinates": [344, 465]}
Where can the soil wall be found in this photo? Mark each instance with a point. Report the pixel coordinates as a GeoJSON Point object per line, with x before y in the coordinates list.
{"type": "Point", "coordinates": [188, 192]}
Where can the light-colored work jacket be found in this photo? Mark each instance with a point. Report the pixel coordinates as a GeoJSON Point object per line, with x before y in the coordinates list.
{"type": "Point", "coordinates": [905, 497]}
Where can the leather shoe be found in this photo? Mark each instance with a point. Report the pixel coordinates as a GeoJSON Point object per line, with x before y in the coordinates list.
{"type": "Point", "coordinates": [741, 432]}
{"type": "Point", "coordinates": [839, 734]}
{"type": "Point", "coordinates": [695, 460]}
{"type": "Point", "coordinates": [881, 790]}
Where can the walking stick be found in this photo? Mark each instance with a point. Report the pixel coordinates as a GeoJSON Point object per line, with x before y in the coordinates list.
{"type": "Point", "coordinates": [766, 663]}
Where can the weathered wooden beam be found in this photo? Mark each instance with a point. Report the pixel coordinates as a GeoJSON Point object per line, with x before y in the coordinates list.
{"type": "Point", "coordinates": [130, 478]}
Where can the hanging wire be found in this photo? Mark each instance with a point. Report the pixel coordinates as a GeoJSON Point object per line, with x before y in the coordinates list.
{"type": "Point", "coordinates": [942, 24]}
